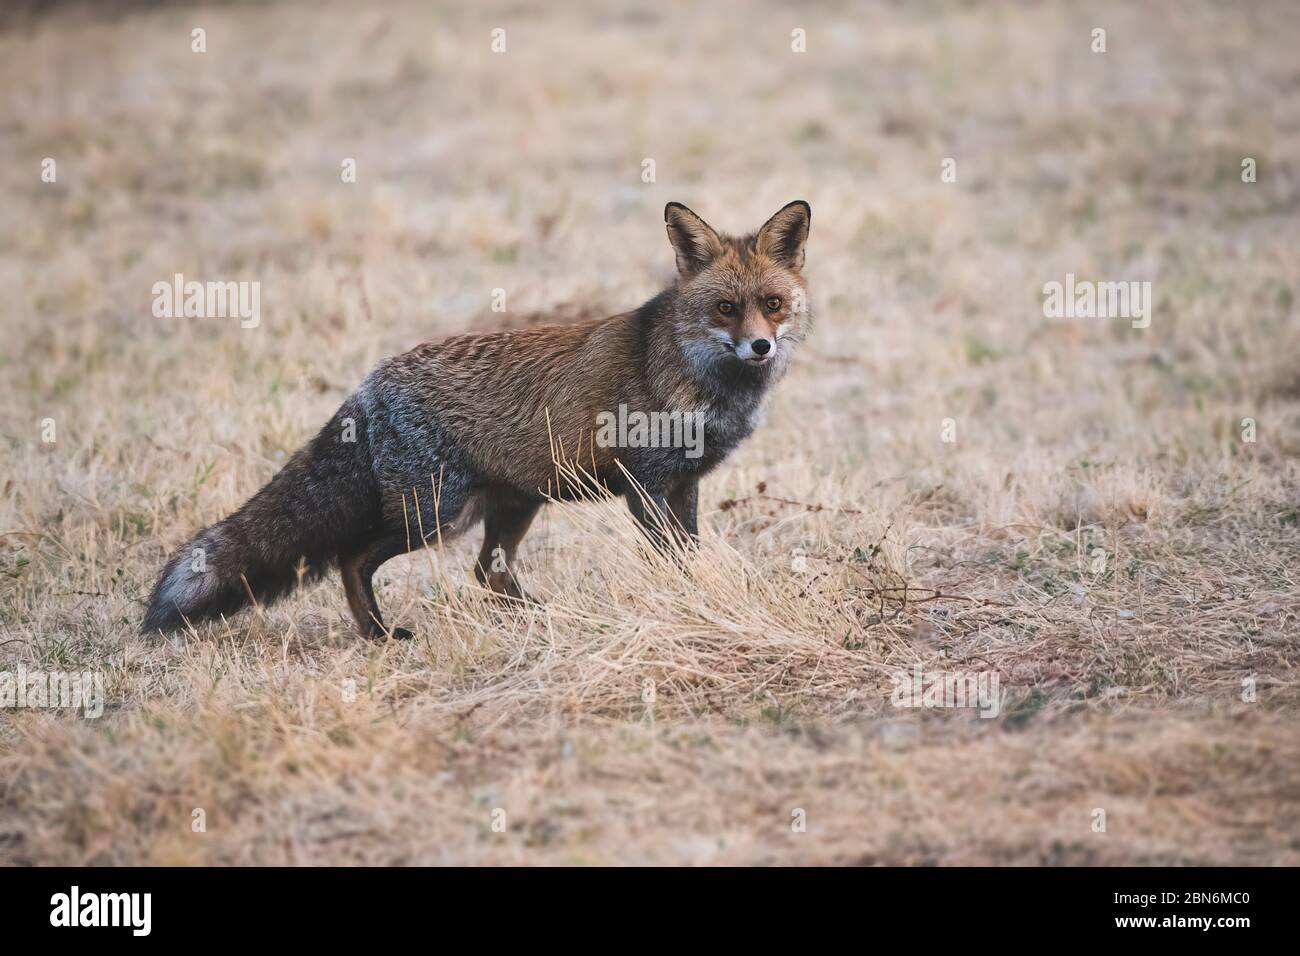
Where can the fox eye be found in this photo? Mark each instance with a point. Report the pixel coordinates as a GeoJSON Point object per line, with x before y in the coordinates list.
{"type": "Point", "coordinates": [725, 307]}
{"type": "Point", "coordinates": [773, 303]}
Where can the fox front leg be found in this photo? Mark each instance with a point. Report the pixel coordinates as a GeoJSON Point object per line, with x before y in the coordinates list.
{"type": "Point", "coordinates": [650, 509]}
{"type": "Point", "coordinates": [666, 519]}
{"type": "Point", "coordinates": [684, 504]}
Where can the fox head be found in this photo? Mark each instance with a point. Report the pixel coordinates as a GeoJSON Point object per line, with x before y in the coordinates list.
{"type": "Point", "coordinates": [743, 301]}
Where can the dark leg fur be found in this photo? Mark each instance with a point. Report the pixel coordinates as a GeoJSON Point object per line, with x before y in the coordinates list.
{"type": "Point", "coordinates": [400, 534]}
{"type": "Point", "coordinates": [506, 518]}
{"type": "Point", "coordinates": [650, 509]}
{"type": "Point", "coordinates": [358, 571]}
{"type": "Point", "coordinates": [670, 519]}
{"type": "Point", "coordinates": [684, 505]}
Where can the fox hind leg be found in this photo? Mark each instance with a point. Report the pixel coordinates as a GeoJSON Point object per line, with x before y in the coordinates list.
{"type": "Point", "coordinates": [506, 517]}
{"type": "Point", "coordinates": [358, 573]}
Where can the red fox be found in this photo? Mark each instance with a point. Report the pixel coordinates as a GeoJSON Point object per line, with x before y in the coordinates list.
{"type": "Point", "coordinates": [477, 426]}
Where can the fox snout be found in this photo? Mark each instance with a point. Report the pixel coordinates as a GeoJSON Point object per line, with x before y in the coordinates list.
{"type": "Point", "coordinates": [757, 350]}
{"type": "Point", "coordinates": [755, 339]}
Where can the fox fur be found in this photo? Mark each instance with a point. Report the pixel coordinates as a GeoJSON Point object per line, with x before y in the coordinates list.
{"type": "Point", "coordinates": [494, 425]}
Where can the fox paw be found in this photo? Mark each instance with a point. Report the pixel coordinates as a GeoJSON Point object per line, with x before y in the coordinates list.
{"type": "Point", "coordinates": [506, 589]}
{"type": "Point", "coordinates": [397, 634]}
{"type": "Point", "coordinates": [513, 594]}
{"type": "Point", "coordinates": [518, 599]}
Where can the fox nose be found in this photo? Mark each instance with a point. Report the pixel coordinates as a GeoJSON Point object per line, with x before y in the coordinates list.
{"type": "Point", "coordinates": [761, 346]}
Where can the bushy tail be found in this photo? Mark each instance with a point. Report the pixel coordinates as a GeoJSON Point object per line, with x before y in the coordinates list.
{"type": "Point", "coordinates": [315, 509]}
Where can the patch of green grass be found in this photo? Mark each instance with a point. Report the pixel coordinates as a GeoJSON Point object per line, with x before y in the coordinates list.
{"type": "Point", "coordinates": [979, 350]}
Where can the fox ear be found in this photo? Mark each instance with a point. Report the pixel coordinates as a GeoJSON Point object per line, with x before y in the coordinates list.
{"type": "Point", "coordinates": [692, 238]}
{"type": "Point", "coordinates": [783, 236]}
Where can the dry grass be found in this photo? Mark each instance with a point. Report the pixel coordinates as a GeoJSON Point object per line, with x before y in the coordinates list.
{"type": "Point", "coordinates": [844, 542]}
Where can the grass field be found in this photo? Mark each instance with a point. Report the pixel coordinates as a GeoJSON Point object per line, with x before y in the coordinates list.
{"type": "Point", "coordinates": [946, 479]}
